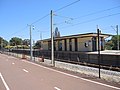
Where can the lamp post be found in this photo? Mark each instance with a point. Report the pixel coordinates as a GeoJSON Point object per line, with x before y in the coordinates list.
{"type": "Point", "coordinates": [99, 58]}
{"type": "Point", "coordinates": [1, 44]}
{"type": "Point", "coordinates": [31, 53]}
{"type": "Point", "coordinates": [52, 41]}
{"type": "Point", "coordinates": [117, 35]}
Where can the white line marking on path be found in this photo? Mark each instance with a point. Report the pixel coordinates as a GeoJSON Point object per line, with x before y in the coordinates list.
{"type": "Point", "coordinates": [25, 70]}
{"type": "Point", "coordinates": [57, 88]}
{"type": "Point", "coordinates": [13, 63]}
{"type": "Point", "coordinates": [6, 86]}
{"type": "Point", "coordinates": [75, 76]}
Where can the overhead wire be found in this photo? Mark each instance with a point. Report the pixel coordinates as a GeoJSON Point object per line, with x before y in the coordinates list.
{"type": "Point", "coordinates": [98, 18]}
{"type": "Point", "coordinates": [77, 17]}
{"type": "Point", "coordinates": [48, 15]}
{"type": "Point", "coordinates": [66, 21]}
{"type": "Point", "coordinates": [63, 16]}
{"type": "Point", "coordinates": [92, 20]}
{"type": "Point", "coordinates": [64, 8]}
{"type": "Point", "coordinates": [55, 11]}
{"type": "Point", "coordinates": [97, 12]}
{"type": "Point", "coordinates": [84, 15]}
{"type": "Point", "coordinates": [40, 19]}
{"type": "Point", "coordinates": [67, 6]}
{"type": "Point", "coordinates": [17, 31]}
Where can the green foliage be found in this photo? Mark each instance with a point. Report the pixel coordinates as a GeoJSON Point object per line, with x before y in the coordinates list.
{"type": "Point", "coordinates": [18, 43]}
{"type": "Point", "coordinates": [112, 44]}
{"type": "Point", "coordinates": [22, 47]}
{"type": "Point", "coordinates": [37, 45]}
{"type": "Point", "coordinates": [15, 41]}
{"type": "Point", "coordinates": [114, 41]}
{"type": "Point", "coordinates": [3, 42]}
{"type": "Point", "coordinates": [9, 47]}
{"type": "Point", "coordinates": [26, 42]}
{"type": "Point", "coordinates": [109, 45]}
{"type": "Point", "coordinates": [17, 47]}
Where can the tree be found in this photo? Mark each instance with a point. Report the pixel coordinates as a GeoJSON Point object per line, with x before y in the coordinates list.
{"type": "Point", "coordinates": [108, 45]}
{"type": "Point", "coordinates": [37, 45]}
{"type": "Point", "coordinates": [15, 41]}
{"type": "Point", "coordinates": [26, 42]}
{"type": "Point", "coordinates": [112, 44]}
{"type": "Point", "coordinates": [3, 42]}
{"type": "Point", "coordinates": [114, 41]}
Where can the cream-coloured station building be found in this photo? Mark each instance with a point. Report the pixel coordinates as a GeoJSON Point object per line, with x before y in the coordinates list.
{"type": "Point", "coordinates": [79, 42]}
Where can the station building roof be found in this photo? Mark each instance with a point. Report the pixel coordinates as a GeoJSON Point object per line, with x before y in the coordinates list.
{"type": "Point", "coordinates": [79, 36]}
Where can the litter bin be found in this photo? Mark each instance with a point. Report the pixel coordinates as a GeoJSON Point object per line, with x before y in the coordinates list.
{"type": "Point", "coordinates": [41, 59]}
{"type": "Point", "coordinates": [23, 56]}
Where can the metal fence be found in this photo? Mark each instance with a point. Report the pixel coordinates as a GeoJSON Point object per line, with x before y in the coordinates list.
{"type": "Point", "coordinates": [76, 57]}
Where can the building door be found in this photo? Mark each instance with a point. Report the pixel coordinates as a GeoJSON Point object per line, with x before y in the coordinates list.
{"type": "Point", "coordinates": [94, 44]}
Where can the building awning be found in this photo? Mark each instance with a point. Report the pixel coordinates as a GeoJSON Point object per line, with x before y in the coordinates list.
{"type": "Point", "coordinates": [79, 36]}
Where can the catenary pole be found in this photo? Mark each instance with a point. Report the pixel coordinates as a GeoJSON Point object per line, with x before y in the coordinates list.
{"type": "Point", "coordinates": [117, 37]}
{"type": "Point", "coordinates": [52, 41]}
{"type": "Point", "coordinates": [31, 53]}
{"type": "Point", "coordinates": [98, 34]}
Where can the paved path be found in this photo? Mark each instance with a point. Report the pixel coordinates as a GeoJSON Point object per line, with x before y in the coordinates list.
{"type": "Point", "coordinates": [18, 74]}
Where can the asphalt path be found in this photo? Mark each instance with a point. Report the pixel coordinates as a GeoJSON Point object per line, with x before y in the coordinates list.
{"type": "Point", "coordinates": [19, 74]}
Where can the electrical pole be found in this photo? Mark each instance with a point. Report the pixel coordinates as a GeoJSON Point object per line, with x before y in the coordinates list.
{"type": "Point", "coordinates": [117, 37]}
{"type": "Point", "coordinates": [52, 41]}
{"type": "Point", "coordinates": [41, 39]}
{"type": "Point", "coordinates": [2, 44]}
{"type": "Point", "coordinates": [98, 34]}
{"type": "Point", "coordinates": [31, 52]}
{"type": "Point", "coordinates": [41, 35]}
{"type": "Point", "coordinates": [34, 49]}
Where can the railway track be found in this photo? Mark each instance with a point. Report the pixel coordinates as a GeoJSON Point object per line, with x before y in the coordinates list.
{"type": "Point", "coordinates": [83, 62]}
{"type": "Point", "coordinates": [92, 65]}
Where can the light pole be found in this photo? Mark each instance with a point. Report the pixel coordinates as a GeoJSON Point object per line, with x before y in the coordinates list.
{"type": "Point", "coordinates": [99, 58]}
{"type": "Point", "coordinates": [1, 44]}
{"type": "Point", "coordinates": [31, 53]}
{"type": "Point", "coordinates": [52, 41]}
{"type": "Point", "coordinates": [117, 35]}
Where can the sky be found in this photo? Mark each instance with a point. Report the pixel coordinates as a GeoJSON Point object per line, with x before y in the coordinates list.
{"type": "Point", "coordinates": [70, 16]}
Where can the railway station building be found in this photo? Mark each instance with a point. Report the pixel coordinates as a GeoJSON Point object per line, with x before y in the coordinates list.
{"type": "Point", "coordinates": [87, 42]}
